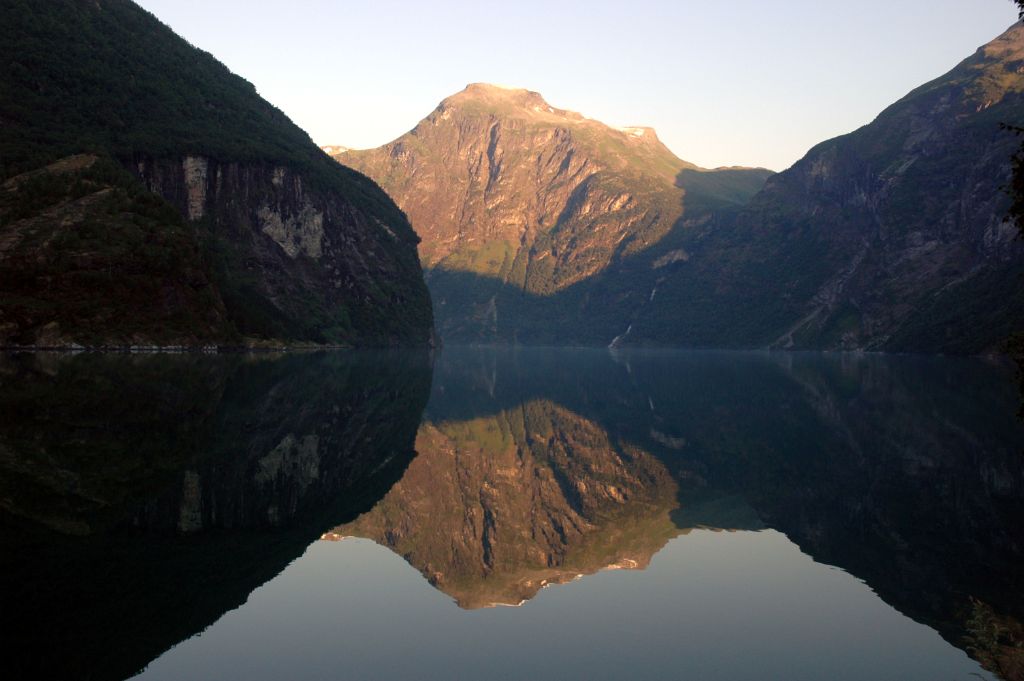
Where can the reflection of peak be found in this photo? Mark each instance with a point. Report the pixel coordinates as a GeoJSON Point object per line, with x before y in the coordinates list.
{"type": "Point", "coordinates": [497, 507]}
{"type": "Point", "coordinates": [494, 509]}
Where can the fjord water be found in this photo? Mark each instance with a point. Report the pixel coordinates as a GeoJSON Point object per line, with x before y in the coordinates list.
{"type": "Point", "coordinates": [361, 515]}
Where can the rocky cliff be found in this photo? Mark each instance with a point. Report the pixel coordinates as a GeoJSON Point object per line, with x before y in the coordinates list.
{"type": "Point", "coordinates": [519, 203]}
{"type": "Point", "coordinates": [296, 247]}
{"type": "Point", "coordinates": [295, 258]}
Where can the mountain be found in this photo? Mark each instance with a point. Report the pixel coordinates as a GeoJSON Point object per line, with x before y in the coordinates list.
{"type": "Point", "coordinates": [541, 226]}
{"type": "Point", "coordinates": [893, 237]}
{"type": "Point", "coordinates": [227, 224]}
{"type": "Point", "coordinates": [520, 204]}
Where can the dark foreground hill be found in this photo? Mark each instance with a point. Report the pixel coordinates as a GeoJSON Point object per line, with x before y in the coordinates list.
{"type": "Point", "coordinates": [266, 238]}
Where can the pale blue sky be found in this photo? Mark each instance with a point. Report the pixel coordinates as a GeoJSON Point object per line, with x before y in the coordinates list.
{"type": "Point", "coordinates": [724, 83]}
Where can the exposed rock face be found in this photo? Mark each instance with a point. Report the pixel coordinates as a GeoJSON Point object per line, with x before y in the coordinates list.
{"type": "Point", "coordinates": [516, 199]}
{"type": "Point", "coordinates": [195, 170]}
{"type": "Point", "coordinates": [491, 171]}
{"type": "Point", "coordinates": [493, 510]}
{"type": "Point", "coordinates": [542, 226]}
{"type": "Point", "coordinates": [296, 247]}
{"type": "Point", "coordinates": [892, 237]}
{"type": "Point", "coordinates": [295, 256]}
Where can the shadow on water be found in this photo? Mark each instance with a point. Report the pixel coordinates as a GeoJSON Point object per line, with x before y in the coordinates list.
{"type": "Point", "coordinates": [143, 497]}
{"type": "Point", "coordinates": [904, 471]}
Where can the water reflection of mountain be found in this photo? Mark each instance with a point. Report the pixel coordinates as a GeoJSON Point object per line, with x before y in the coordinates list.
{"type": "Point", "coordinates": [143, 497]}
{"type": "Point", "coordinates": [495, 508]}
{"type": "Point", "coordinates": [538, 466]}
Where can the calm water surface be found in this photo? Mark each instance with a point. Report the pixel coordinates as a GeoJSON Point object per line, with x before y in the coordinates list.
{"type": "Point", "coordinates": [511, 514]}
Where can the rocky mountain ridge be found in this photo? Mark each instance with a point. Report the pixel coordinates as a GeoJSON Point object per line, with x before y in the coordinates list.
{"type": "Point", "coordinates": [893, 237]}
{"type": "Point", "coordinates": [515, 198]}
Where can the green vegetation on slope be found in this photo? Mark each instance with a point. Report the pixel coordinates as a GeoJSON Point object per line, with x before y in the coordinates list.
{"type": "Point", "coordinates": [82, 244]}
{"type": "Point", "coordinates": [106, 78]}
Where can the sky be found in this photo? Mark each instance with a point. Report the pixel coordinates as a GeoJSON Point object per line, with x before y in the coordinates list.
{"type": "Point", "coordinates": [723, 83]}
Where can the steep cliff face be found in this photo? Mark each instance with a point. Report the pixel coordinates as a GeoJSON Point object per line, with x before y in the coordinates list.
{"type": "Point", "coordinates": [515, 199]}
{"type": "Point", "coordinates": [297, 247]}
{"type": "Point", "coordinates": [494, 509]}
{"type": "Point", "coordinates": [292, 257]}
{"type": "Point", "coordinates": [892, 237]}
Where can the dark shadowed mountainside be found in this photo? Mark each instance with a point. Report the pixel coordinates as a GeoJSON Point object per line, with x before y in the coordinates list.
{"type": "Point", "coordinates": [893, 237]}
{"type": "Point", "coordinates": [541, 226]}
{"type": "Point", "coordinates": [291, 246]}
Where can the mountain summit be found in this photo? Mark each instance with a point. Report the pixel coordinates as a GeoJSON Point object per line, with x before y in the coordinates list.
{"type": "Point", "coordinates": [507, 99]}
{"type": "Point", "coordinates": [516, 201]}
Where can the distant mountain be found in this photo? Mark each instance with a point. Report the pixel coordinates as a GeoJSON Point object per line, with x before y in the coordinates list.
{"type": "Point", "coordinates": [264, 237]}
{"type": "Point", "coordinates": [519, 203]}
{"type": "Point", "coordinates": [893, 237]}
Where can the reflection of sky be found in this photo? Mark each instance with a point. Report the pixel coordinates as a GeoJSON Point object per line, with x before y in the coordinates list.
{"type": "Point", "coordinates": [725, 83]}
{"type": "Point", "coordinates": [712, 605]}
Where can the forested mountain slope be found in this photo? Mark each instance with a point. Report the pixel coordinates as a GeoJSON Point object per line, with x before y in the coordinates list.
{"type": "Point", "coordinates": [292, 247]}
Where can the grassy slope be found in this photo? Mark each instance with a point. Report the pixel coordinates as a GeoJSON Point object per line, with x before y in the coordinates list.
{"type": "Point", "coordinates": [107, 77]}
